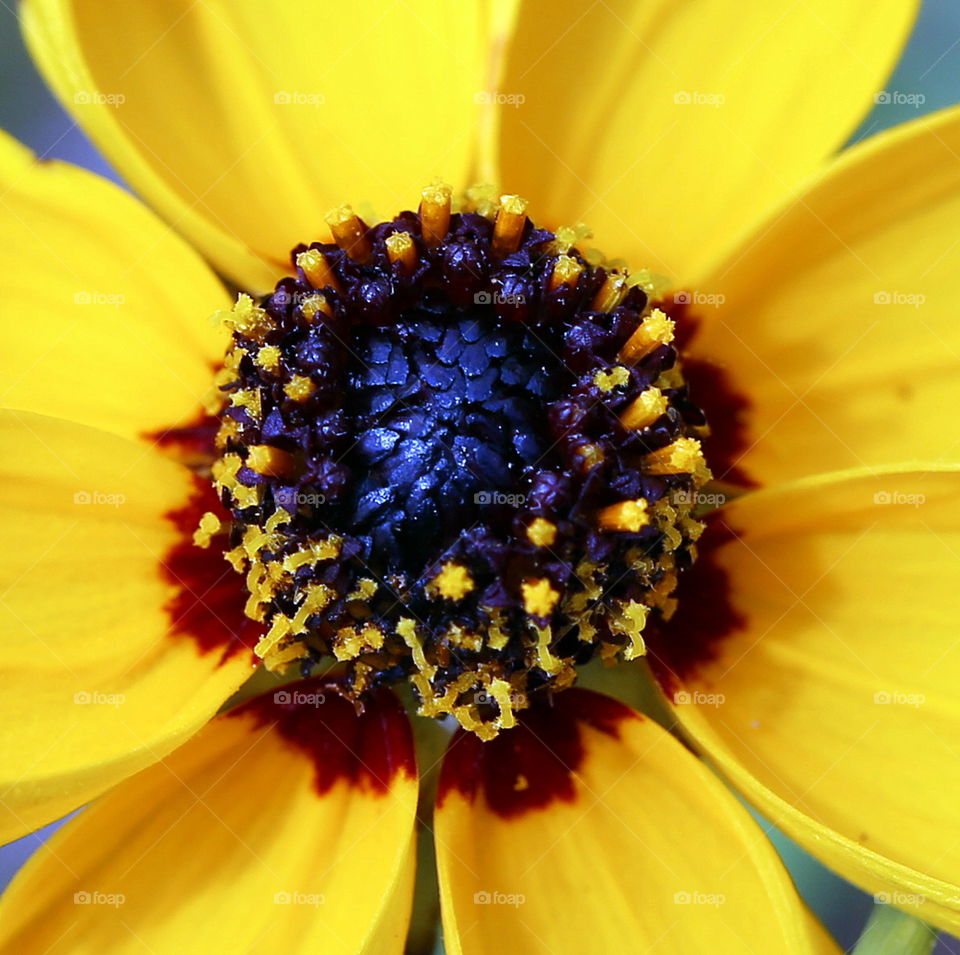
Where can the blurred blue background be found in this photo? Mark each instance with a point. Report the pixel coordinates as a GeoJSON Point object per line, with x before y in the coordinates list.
{"type": "Point", "coordinates": [929, 71]}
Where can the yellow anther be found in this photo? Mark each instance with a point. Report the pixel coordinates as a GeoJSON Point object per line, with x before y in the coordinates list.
{"type": "Point", "coordinates": [566, 271]}
{"type": "Point", "coordinates": [683, 456]}
{"type": "Point", "coordinates": [452, 583]}
{"type": "Point", "coordinates": [611, 293]}
{"type": "Point", "coordinates": [508, 227]}
{"type": "Point", "coordinates": [268, 358]}
{"type": "Point", "coordinates": [401, 248]}
{"type": "Point", "coordinates": [317, 270]}
{"type": "Point", "coordinates": [299, 388]}
{"type": "Point", "coordinates": [349, 233]}
{"type": "Point", "coordinates": [247, 319]}
{"type": "Point", "coordinates": [655, 330]}
{"type": "Point", "coordinates": [644, 410]}
{"type": "Point", "coordinates": [539, 596]}
{"type": "Point", "coordinates": [541, 532]}
{"type": "Point", "coordinates": [628, 516]}
{"type": "Point", "coordinates": [314, 305]}
{"type": "Point", "coordinates": [270, 461]}
{"type": "Point", "coordinates": [435, 213]}
{"type": "Point", "coordinates": [606, 381]}
{"type": "Point", "coordinates": [590, 456]}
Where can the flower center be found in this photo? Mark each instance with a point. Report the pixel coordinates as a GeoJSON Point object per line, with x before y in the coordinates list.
{"type": "Point", "coordinates": [456, 450]}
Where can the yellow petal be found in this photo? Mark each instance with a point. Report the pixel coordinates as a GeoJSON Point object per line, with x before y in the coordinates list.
{"type": "Point", "coordinates": [839, 321]}
{"type": "Point", "coordinates": [281, 827]}
{"type": "Point", "coordinates": [828, 691]}
{"type": "Point", "coordinates": [668, 127]}
{"type": "Point", "coordinates": [243, 123]}
{"type": "Point", "coordinates": [105, 311]}
{"type": "Point", "coordinates": [103, 672]}
{"type": "Point", "coordinates": [589, 828]}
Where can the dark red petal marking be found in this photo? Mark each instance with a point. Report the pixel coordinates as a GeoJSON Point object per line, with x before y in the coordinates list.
{"type": "Point", "coordinates": [367, 750]}
{"type": "Point", "coordinates": [190, 443]}
{"type": "Point", "coordinates": [535, 763]}
{"type": "Point", "coordinates": [713, 390]}
{"type": "Point", "coordinates": [207, 605]}
{"type": "Point", "coordinates": [705, 614]}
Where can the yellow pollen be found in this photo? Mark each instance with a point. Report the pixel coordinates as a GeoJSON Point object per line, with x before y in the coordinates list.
{"type": "Point", "coordinates": [644, 410]}
{"type": "Point", "coordinates": [625, 516]}
{"type": "Point", "coordinates": [247, 319]}
{"type": "Point", "coordinates": [210, 525]}
{"type": "Point", "coordinates": [566, 272]}
{"type": "Point", "coordinates": [313, 304]}
{"type": "Point", "coordinates": [299, 388]}
{"type": "Point", "coordinates": [539, 596]}
{"type": "Point", "coordinates": [400, 248]}
{"type": "Point", "coordinates": [317, 270]}
{"type": "Point", "coordinates": [270, 461]}
{"type": "Point", "coordinates": [268, 358]}
{"type": "Point", "coordinates": [482, 199]}
{"type": "Point", "coordinates": [349, 233]}
{"type": "Point", "coordinates": [541, 532]}
{"type": "Point", "coordinates": [655, 330]}
{"type": "Point", "coordinates": [453, 582]}
{"type": "Point", "coordinates": [508, 228]}
{"type": "Point", "coordinates": [606, 381]}
{"type": "Point", "coordinates": [611, 293]}
{"type": "Point", "coordinates": [435, 213]}
{"type": "Point", "coordinates": [683, 456]}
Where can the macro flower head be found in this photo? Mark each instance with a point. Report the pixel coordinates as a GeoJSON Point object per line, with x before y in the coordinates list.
{"type": "Point", "coordinates": [493, 433]}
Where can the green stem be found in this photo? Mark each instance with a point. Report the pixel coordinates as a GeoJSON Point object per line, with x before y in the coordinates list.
{"type": "Point", "coordinates": [890, 931]}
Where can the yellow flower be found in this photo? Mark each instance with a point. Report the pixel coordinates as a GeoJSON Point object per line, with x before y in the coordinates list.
{"type": "Point", "coordinates": [812, 656]}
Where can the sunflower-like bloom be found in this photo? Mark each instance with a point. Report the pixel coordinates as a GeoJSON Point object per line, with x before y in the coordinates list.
{"type": "Point", "coordinates": [436, 448]}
